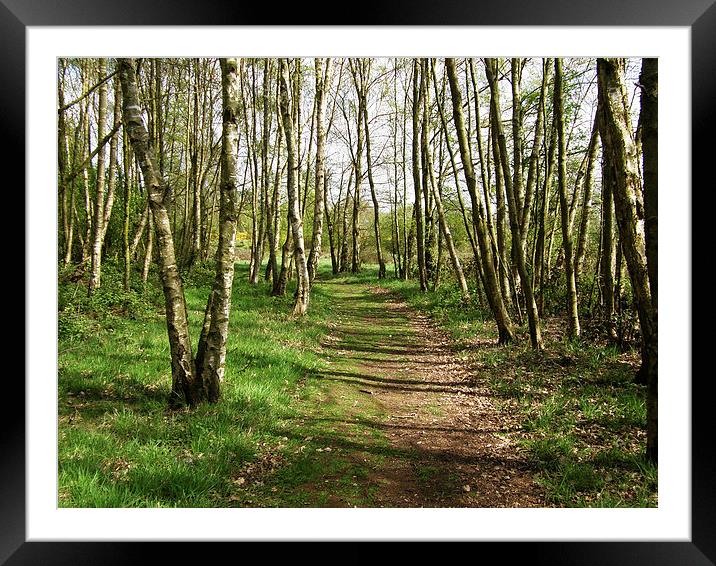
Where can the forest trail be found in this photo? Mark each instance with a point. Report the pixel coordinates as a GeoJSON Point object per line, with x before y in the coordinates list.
{"type": "Point", "coordinates": [418, 427]}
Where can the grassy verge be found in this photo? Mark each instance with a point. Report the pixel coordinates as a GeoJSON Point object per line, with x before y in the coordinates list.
{"type": "Point", "coordinates": [118, 444]}
{"type": "Point", "coordinates": [278, 437]}
{"type": "Point", "coordinates": [580, 418]}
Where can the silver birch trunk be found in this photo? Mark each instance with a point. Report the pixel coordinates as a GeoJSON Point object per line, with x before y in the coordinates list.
{"type": "Point", "coordinates": [211, 350]}
{"type": "Point", "coordinates": [184, 383]}
{"type": "Point", "coordinates": [323, 83]}
{"type": "Point", "coordinates": [302, 284]}
{"type": "Point", "coordinates": [572, 312]}
{"type": "Point", "coordinates": [98, 225]}
{"type": "Point", "coordinates": [492, 285]}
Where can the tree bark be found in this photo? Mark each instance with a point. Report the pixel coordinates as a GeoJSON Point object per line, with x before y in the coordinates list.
{"type": "Point", "coordinates": [323, 83]}
{"type": "Point", "coordinates": [211, 350]}
{"type": "Point", "coordinates": [184, 384]}
{"type": "Point", "coordinates": [620, 150]}
{"type": "Point", "coordinates": [513, 198]}
{"type": "Point", "coordinates": [303, 285]}
{"type": "Point", "coordinates": [418, 90]}
{"type": "Point", "coordinates": [492, 286]}
{"type": "Point", "coordinates": [586, 198]}
{"type": "Point", "coordinates": [98, 229]}
{"type": "Point", "coordinates": [649, 79]}
{"type": "Point", "coordinates": [573, 314]}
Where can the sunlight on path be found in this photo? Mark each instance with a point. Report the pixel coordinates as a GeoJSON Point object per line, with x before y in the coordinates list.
{"type": "Point", "coordinates": [409, 413]}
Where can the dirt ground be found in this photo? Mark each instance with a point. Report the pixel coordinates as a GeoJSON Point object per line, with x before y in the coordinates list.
{"type": "Point", "coordinates": [450, 444]}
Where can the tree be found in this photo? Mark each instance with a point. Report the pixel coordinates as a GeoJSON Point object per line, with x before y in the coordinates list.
{"type": "Point", "coordinates": [287, 120]}
{"type": "Point", "coordinates": [98, 231]}
{"type": "Point", "coordinates": [622, 159]}
{"type": "Point", "coordinates": [513, 192]}
{"type": "Point", "coordinates": [492, 286]}
{"type": "Point", "coordinates": [558, 104]}
{"type": "Point", "coordinates": [323, 83]}
{"type": "Point", "coordinates": [193, 380]}
{"type": "Point", "coordinates": [418, 93]}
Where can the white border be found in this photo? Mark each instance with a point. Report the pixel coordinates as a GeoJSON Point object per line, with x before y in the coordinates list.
{"type": "Point", "coordinates": [671, 521]}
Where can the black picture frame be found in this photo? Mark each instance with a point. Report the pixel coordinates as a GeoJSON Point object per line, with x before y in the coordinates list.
{"type": "Point", "coordinates": [699, 15]}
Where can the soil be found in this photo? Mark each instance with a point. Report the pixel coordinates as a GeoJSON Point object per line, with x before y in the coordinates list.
{"type": "Point", "coordinates": [450, 444]}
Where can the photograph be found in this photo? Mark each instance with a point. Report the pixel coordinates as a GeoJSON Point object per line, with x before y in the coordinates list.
{"type": "Point", "coordinates": [357, 282]}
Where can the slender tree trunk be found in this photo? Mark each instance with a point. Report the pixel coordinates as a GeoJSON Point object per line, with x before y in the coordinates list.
{"type": "Point", "coordinates": [196, 186]}
{"type": "Point", "coordinates": [426, 165]}
{"type": "Point", "coordinates": [323, 83]}
{"type": "Point", "coordinates": [533, 170]}
{"type": "Point", "coordinates": [418, 90]}
{"type": "Point", "coordinates": [127, 209]}
{"type": "Point", "coordinates": [513, 206]}
{"type": "Point", "coordinates": [303, 284]}
{"type": "Point", "coordinates": [649, 138]}
{"type": "Point", "coordinates": [454, 258]}
{"type": "Point", "coordinates": [62, 158]}
{"type": "Point", "coordinates": [330, 225]}
{"type": "Point", "coordinates": [492, 286]}
{"type": "Point", "coordinates": [148, 250]}
{"type": "Point", "coordinates": [211, 350]}
{"type": "Point", "coordinates": [343, 263]}
{"type": "Point", "coordinates": [273, 224]}
{"type": "Point", "coordinates": [98, 232]}
{"type": "Point", "coordinates": [649, 79]}
{"type": "Point", "coordinates": [481, 155]}
{"type": "Point", "coordinates": [183, 378]}
{"type": "Point", "coordinates": [374, 197]}
{"type": "Point", "coordinates": [592, 150]}
{"type": "Point", "coordinates": [358, 166]}
{"type": "Point", "coordinates": [280, 282]}
{"type": "Point", "coordinates": [113, 159]}
{"type": "Point", "coordinates": [573, 328]}
{"type": "Point", "coordinates": [470, 228]}
{"type": "Point", "coordinates": [607, 264]}
{"type": "Point", "coordinates": [77, 148]}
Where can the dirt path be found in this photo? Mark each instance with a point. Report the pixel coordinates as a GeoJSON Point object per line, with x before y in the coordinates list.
{"type": "Point", "coordinates": [406, 407]}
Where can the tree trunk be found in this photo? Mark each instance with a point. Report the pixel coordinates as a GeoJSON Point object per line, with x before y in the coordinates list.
{"type": "Point", "coordinates": [125, 223]}
{"type": "Point", "coordinates": [303, 285]}
{"type": "Point", "coordinates": [513, 199]}
{"type": "Point", "coordinates": [211, 350]}
{"type": "Point", "coordinates": [492, 286]}
{"type": "Point", "coordinates": [621, 153]}
{"type": "Point", "coordinates": [184, 384]}
{"type": "Point", "coordinates": [148, 250]}
{"type": "Point", "coordinates": [323, 83]}
{"type": "Point", "coordinates": [418, 90]}
{"type": "Point", "coordinates": [586, 199]}
{"type": "Point", "coordinates": [573, 328]}
{"type": "Point", "coordinates": [649, 141]}
{"type": "Point", "coordinates": [98, 231]}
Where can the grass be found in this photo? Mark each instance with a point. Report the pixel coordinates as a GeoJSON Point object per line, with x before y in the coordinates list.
{"type": "Point", "coordinates": [119, 446]}
{"type": "Point", "coordinates": [581, 419]}
{"type": "Point", "coordinates": [281, 435]}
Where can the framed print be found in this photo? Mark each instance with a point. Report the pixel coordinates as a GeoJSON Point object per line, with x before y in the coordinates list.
{"type": "Point", "coordinates": [35, 35]}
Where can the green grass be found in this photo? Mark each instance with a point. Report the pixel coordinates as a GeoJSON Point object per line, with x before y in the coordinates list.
{"type": "Point", "coordinates": [282, 434]}
{"type": "Point", "coordinates": [119, 446]}
{"type": "Point", "coordinates": [581, 418]}
{"type": "Point", "coordinates": [265, 444]}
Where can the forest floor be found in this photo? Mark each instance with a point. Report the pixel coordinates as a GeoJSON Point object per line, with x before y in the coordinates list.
{"type": "Point", "coordinates": [381, 396]}
{"type": "Point", "coordinates": [410, 414]}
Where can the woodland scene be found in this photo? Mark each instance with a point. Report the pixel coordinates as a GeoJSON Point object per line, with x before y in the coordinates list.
{"type": "Point", "coordinates": [357, 282]}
